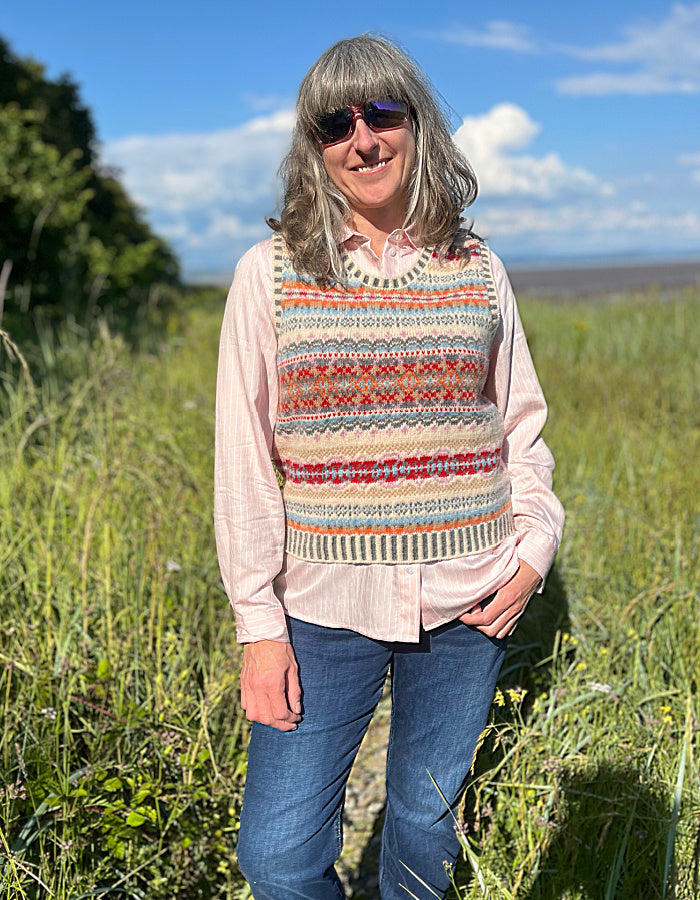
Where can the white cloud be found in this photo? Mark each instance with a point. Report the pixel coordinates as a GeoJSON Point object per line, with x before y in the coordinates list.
{"type": "Point", "coordinates": [657, 58]}
{"type": "Point", "coordinates": [652, 57]}
{"type": "Point", "coordinates": [232, 226]}
{"type": "Point", "coordinates": [209, 191]}
{"type": "Point", "coordinates": [179, 171]}
{"type": "Point", "coordinates": [601, 84]}
{"type": "Point", "coordinates": [260, 103]}
{"type": "Point", "coordinates": [490, 141]}
{"type": "Point", "coordinates": [496, 35]}
{"type": "Point", "coordinates": [583, 228]}
{"type": "Point", "coordinates": [593, 224]}
{"type": "Point", "coordinates": [691, 160]}
{"type": "Point", "coordinates": [538, 205]}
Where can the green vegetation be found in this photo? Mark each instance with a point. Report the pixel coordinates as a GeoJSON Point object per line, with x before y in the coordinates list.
{"type": "Point", "coordinates": [122, 751]}
{"type": "Point", "coordinates": [592, 790]}
{"type": "Point", "coordinates": [71, 240]}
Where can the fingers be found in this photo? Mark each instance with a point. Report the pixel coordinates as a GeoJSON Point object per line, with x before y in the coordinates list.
{"type": "Point", "coordinates": [270, 690]}
{"type": "Point", "coordinates": [273, 712]}
{"type": "Point", "coordinates": [279, 706]}
{"type": "Point", "coordinates": [498, 617]}
{"type": "Point", "coordinates": [267, 703]}
{"type": "Point", "coordinates": [294, 691]}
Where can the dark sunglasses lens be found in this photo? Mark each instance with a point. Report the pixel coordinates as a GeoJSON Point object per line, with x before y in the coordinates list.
{"type": "Point", "coordinates": [385, 113]}
{"type": "Point", "coordinates": [334, 125]}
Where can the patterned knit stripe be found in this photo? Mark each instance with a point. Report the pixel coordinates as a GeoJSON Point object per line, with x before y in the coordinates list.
{"type": "Point", "coordinates": [393, 527]}
{"type": "Point", "coordinates": [396, 528]}
{"type": "Point", "coordinates": [387, 471]}
{"type": "Point", "coordinates": [365, 363]}
{"type": "Point", "coordinates": [403, 312]}
{"type": "Point", "coordinates": [395, 507]}
{"type": "Point", "coordinates": [303, 298]}
{"type": "Point", "coordinates": [398, 508]}
{"type": "Point", "coordinates": [393, 427]}
{"type": "Point", "coordinates": [433, 334]}
{"type": "Point", "coordinates": [345, 386]}
{"type": "Point", "coordinates": [387, 323]}
{"type": "Point", "coordinates": [416, 547]}
{"type": "Point", "coordinates": [391, 347]}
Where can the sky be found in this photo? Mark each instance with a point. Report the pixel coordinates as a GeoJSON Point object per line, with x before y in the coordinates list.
{"type": "Point", "coordinates": [581, 120]}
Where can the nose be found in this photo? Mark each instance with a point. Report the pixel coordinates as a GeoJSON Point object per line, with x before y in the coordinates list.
{"type": "Point", "coordinates": [364, 138]}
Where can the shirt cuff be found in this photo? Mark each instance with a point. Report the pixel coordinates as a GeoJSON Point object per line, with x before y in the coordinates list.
{"type": "Point", "coordinates": [261, 625]}
{"type": "Point", "coordinates": [538, 550]}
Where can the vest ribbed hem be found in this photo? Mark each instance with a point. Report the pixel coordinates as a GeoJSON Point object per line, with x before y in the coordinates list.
{"type": "Point", "coordinates": [419, 547]}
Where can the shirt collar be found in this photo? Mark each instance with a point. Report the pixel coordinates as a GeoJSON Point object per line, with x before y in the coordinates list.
{"type": "Point", "coordinates": [351, 239]}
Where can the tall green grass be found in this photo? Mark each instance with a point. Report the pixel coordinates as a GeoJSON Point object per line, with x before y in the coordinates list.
{"type": "Point", "coordinates": [122, 748]}
{"type": "Point", "coordinates": [592, 790]}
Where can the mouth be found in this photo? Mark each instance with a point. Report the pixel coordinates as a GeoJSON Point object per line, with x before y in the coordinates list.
{"type": "Point", "coordinates": [372, 167]}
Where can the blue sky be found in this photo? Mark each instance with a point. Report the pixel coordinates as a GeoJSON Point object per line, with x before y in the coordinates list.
{"type": "Point", "coordinates": [582, 121]}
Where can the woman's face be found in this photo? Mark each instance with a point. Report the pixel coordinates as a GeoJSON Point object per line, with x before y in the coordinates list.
{"type": "Point", "coordinates": [373, 171]}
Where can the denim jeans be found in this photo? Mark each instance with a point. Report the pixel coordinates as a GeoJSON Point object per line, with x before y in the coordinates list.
{"type": "Point", "coordinates": [291, 832]}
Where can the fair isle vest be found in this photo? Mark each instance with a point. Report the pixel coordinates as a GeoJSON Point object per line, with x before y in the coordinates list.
{"type": "Point", "coordinates": [388, 450]}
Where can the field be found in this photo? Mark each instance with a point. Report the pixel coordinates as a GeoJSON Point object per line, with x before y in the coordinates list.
{"type": "Point", "coordinates": [122, 751]}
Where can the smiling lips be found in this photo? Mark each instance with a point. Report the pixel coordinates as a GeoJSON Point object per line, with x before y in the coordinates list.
{"type": "Point", "coordinates": [372, 167]}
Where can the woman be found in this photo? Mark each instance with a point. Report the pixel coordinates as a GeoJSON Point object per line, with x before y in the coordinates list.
{"type": "Point", "coordinates": [383, 495]}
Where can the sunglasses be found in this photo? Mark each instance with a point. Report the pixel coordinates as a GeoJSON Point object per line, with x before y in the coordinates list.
{"type": "Point", "coordinates": [379, 115]}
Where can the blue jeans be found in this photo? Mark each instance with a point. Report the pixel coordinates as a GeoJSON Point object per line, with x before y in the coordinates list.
{"type": "Point", "coordinates": [291, 832]}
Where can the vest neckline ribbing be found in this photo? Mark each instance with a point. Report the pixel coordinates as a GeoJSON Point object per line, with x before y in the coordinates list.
{"type": "Point", "coordinates": [355, 272]}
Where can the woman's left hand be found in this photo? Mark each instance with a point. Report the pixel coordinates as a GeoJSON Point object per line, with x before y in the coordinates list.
{"type": "Point", "coordinates": [499, 616]}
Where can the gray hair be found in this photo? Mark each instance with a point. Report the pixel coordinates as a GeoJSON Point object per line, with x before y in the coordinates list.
{"type": "Point", "coordinates": [314, 210]}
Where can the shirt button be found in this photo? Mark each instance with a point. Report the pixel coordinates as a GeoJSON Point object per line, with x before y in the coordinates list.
{"type": "Point", "coordinates": [409, 570]}
{"type": "Point", "coordinates": [392, 252]}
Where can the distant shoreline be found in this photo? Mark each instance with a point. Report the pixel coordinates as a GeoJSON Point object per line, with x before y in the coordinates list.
{"type": "Point", "coordinates": [565, 279]}
{"type": "Point", "coordinates": [602, 277]}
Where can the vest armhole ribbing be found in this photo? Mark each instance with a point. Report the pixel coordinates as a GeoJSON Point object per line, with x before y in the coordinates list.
{"type": "Point", "coordinates": [277, 273]}
{"type": "Point", "coordinates": [493, 293]}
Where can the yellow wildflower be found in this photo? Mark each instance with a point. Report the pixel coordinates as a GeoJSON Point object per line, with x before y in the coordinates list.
{"type": "Point", "coordinates": [516, 696]}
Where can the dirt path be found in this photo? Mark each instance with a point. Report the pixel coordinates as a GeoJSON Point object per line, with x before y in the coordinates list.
{"type": "Point", "coordinates": [364, 807]}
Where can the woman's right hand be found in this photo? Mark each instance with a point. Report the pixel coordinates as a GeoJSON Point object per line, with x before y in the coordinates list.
{"type": "Point", "coordinates": [270, 690]}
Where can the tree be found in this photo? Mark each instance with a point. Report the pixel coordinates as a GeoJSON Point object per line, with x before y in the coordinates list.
{"type": "Point", "coordinates": [43, 197]}
{"type": "Point", "coordinates": [70, 236]}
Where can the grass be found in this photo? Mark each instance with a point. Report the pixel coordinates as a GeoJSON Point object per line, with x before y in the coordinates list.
{"type": "Point", "coordinates": [122, 752]}
{"type": "Point", "coordinates": [122, 746]}
{"type": "Point", "coordinates": [592, 790]}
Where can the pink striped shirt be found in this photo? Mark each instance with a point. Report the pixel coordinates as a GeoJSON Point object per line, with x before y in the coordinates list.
{"type": "Point", "coordinates": [387, 602]}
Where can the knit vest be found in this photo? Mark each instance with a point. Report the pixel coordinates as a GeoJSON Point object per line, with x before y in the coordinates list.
{"type": "Point", "coordinates": [387, 449]}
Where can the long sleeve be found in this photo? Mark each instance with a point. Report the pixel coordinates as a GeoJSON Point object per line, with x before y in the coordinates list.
{"type": "Point", "coordinates": [514, 387]}
{"type": "Point", "coordinates": [248, 508]}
